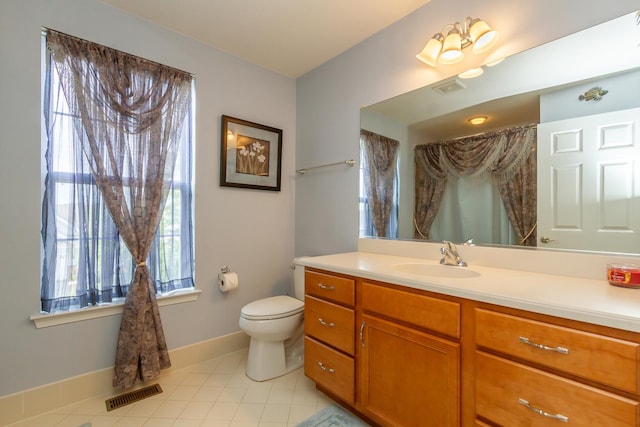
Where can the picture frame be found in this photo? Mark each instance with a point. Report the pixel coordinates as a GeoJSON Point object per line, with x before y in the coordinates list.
{"type": "Point", "coordinates": [250, 155]}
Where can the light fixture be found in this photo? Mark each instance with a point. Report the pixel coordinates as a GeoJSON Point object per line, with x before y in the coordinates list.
{"type": "Point", "coordinates": [448, 50]}
{"type": "Point", "coordinates": [478, 120]}
{"type": "Point", "coordinates": [452, 48]}
{"type": "Point", "coordinates": [469, 74]}
{"type": "Point", "coordinates": [482, 36]}
{"type": "Point", "coordinates": [429, 54]}
{"type": "Point", "coordinates": [494, 63]}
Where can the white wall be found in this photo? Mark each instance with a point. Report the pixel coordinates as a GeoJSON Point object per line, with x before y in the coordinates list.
{"type": "Point", "coordinates": [383, 66]}
{"type": "Point", "coordinates": [250, 231]}
{"type": "Point", "coordinates": [623, 90]}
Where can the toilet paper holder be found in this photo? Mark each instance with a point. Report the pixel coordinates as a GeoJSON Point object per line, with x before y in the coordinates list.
{"type": "Point", "coordinates": [225, 269]}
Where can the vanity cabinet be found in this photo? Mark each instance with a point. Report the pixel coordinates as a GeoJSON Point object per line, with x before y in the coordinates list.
{"type": "Point", "coordinates": [408, 374]}
{"type": "Point", "coordinates": [400, 356]}
{"type": "Point", "coordinates": [533, 373]}
{"type": "Point", "coordinates": [329, 325]}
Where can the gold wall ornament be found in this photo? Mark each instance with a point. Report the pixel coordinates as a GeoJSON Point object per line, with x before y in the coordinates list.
{"type": "Point", "coordinates": [593, 94]}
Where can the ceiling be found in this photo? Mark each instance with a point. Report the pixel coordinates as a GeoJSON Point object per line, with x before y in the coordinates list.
{"type": "Point", "coordinates": [290, 37]}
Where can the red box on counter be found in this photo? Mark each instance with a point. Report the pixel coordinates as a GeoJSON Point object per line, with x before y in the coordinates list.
{"type": "Point", "coordinates": [626, 275]}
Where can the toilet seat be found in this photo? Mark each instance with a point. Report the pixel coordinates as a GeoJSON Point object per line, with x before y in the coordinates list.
{"type": "Point", "coordinates": [272, 308]}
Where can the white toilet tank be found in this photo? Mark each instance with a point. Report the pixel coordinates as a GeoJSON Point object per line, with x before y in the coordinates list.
{"type": "Point", "coordinates": [298, 281]}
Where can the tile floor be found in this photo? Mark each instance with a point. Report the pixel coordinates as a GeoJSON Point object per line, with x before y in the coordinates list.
{"type": "Point", "coordinates": [215, 393]}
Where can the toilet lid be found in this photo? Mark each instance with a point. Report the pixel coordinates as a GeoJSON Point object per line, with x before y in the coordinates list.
{"type": "Point", "coordinates": [272, 308]}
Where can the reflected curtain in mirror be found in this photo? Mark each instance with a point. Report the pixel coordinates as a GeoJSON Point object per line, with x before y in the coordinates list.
{"type": "Point", "coordinates": [130, 115]}
{"type": "Point", "coordinates": [380, 155]}
{"type": "Point", "coordinates": [507, 155]}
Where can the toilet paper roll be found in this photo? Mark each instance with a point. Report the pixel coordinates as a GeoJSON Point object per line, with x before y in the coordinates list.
{"type": "Point", "coordinates": [227, 281]}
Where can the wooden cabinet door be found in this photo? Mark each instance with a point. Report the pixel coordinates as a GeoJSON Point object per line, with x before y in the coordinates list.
{"type": "Point", "coordinates": [406, 377]}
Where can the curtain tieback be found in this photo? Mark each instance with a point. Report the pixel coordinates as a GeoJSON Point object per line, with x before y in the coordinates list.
{"type": "Point", "coordinates": [141, 264]}
{"type": "Point", "coordinates": [524, 239]}
{"type": "Point", "coordinates": [415, 223]}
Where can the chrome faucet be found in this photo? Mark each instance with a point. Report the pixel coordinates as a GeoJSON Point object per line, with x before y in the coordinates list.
{"type": "Point", "coordinates": [451, 256]}
{"type": "Point", "coordinates": [468, 242]}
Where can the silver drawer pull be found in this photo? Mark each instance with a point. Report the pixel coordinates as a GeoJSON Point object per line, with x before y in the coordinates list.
{"type": "Point", "coordinates": [362, 334]}
{"type": "Point", "coordinates": [560, 350]}
{"type": "Point", "coordinates": [539, 411]}
{"type": "Point", "coordinates": [323, 323]}
{"type": "Point", "coordinates": [324, 368]}
{"type": "Point", "coordinates": [327, 287]}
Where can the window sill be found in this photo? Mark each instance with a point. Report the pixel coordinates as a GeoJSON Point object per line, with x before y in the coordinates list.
{"type": "Point", "coordinates": [44, 320]}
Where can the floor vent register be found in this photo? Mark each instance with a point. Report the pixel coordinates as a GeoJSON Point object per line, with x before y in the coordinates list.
{"type": "Point", "coordinates": [132, 397]}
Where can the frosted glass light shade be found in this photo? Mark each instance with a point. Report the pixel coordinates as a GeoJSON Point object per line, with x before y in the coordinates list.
{"type": "Point", "coordinates": [452, 48]}
{"type": "Point", "coordinates": [429, 54]}
{"type": "Point", "coordinates": [469, 74]}
{"type": "Point", "coordinates": [482, 36]}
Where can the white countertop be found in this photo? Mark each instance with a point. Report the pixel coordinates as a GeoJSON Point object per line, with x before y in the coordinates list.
{"type": "Point", "coordinates": [588, 300]}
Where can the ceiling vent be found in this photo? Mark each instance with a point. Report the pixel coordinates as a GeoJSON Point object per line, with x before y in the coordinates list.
{"type": "Point", "coordinates": [449, 86]}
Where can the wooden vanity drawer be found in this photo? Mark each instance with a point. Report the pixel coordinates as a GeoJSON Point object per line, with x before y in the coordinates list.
{"type": "Point", "coordinates": [330, 287]}
{"type": "Point", "coordinates": [412, 308]}
{"type": "Point", "coordinates": [330, 323]}
{"type": "Point", "coordinates": [503, 388]}
{"type": "Point", "coordinates": [596, 357]}
{"type": "Point", "coordinates": [330, 369]}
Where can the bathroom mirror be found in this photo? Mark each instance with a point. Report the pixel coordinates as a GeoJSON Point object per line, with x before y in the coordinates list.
{"type": "Point", "coordinates": [549, 81]}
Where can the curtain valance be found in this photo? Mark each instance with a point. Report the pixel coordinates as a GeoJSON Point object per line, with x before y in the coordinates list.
{"type": "Point", "coordinates": [509, 157]}
{"type": "Point", "coordinates": [498, 153]}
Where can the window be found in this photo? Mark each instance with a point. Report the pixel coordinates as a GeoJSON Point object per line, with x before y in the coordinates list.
{"type": "Point", "coordinates": [367, 227]}
{"type": "Point", "coordinates": [85, 260]}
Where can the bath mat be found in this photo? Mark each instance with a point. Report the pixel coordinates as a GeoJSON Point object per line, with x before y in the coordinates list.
{"type": "Point", "coordinates": [332, 416]}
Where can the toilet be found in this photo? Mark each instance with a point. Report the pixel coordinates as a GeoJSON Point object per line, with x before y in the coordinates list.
{"type": "Point", "coordinates": [275, 325]}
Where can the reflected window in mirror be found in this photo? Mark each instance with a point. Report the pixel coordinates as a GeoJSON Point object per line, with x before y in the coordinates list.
{"type": "Point", "coordinates": [472, 208]}
{"type": "Point", "coordinates": [479, 171]}
{"type": "Point", "coordinates": [379, 185]}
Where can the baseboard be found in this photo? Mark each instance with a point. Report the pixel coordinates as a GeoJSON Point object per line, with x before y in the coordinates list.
{"type": "Point", "coordinates": [40, 400]}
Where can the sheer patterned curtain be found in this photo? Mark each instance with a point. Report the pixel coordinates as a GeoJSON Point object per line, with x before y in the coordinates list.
{"type": "Point", "coordinates": [506, 155]}
{"type": "Point", "coordinates": [430, 180]}
{"type": "Point", "coordinates": [519, 189]}
{"type": "Point", "coordinates": [85, 262]}
{"type": "Point", "coordinates": [380, 158]}
{"type": "Point", "coordinates": [129, 116]}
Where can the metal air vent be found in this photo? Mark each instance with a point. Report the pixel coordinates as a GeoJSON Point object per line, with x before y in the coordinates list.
{"type": "Point", "coordinates": [132, 397]}
{"type": "Point", "coordinates": [449, 86]}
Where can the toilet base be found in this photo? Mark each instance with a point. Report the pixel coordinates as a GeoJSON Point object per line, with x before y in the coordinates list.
{"type": "Point", "coordinates": [271, 359]}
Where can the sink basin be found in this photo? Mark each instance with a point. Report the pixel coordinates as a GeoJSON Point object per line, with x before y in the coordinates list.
{"type": "Point", "coordinates": [437, 270]}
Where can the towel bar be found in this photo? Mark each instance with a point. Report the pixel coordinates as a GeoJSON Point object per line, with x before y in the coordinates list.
{"type": "Point", "coordinates": [348, 162]}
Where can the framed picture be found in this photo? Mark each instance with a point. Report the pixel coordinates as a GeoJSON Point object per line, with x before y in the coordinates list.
{"type": "Point", "coordinates": [250, 155]}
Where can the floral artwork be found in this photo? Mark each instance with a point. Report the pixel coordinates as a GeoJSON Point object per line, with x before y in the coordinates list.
{"type": "Point", "coordinates": [250, 155]}
{"type": "Point", "coordinates": [253, 156]}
